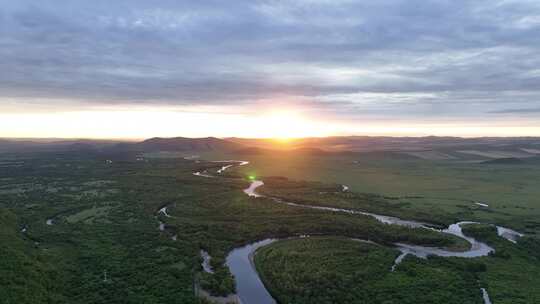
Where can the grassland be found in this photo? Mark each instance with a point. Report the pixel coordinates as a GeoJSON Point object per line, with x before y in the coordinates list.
{"type": "Point", "coordinates": [446, 187]}
{"type": "Point", "coordinates": [503, 279]}
{"type": "Point", "coordinates": [104, 244]}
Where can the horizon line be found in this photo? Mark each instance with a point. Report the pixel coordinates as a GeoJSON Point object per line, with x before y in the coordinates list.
{"type": "Point", "coordinates": [133, 139]}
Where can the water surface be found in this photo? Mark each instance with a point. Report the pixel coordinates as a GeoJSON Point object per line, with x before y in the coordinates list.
{"type": "Point", "coordinates": [249, 286]}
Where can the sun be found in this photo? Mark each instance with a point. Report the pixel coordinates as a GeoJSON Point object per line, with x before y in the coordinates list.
{"type": "Point", "coordinates": [284, 125]}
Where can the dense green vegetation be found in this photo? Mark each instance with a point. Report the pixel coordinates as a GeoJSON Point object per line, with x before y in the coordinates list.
{"type": "Point", "coordinates": [336, 270]}
{"type": "Point", "coordinates": [116, 256]}
{"type": "Point", "coordinates": [512, 271]}
{"type": "Point", "coordinates": [104, 244]}
{"type": "Point", "coordinates": [504, 281]}
{"type": "Point", "coordinates": [25, 277]}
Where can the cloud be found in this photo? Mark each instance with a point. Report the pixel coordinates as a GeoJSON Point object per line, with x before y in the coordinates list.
{"type": "Point", "coordinates": [393, 58]}
{"type": "Point", "coordinates": [518, 111]}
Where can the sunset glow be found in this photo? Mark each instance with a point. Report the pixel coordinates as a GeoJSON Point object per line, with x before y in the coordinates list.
{"type": "Point", "coordinates": [313, 68]}
{"type": "Point", "coordinates": [145, 123]}
{"type": "Point", "coordinates": [282, 125]}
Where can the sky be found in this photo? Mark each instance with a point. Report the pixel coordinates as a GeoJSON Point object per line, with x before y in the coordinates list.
{"type": "Point", "coordinates": [144, 68]}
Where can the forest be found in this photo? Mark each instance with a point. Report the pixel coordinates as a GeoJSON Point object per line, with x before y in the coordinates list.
{"type": "Point", "coordinates": [338, 270]}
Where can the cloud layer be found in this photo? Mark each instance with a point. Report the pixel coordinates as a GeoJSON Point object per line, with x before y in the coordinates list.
{"type": "Point", "coordinates": [350, 59]}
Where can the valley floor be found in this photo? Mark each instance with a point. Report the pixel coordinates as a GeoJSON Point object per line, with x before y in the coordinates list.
{"type": "Point", "coordinates": [128, 229]}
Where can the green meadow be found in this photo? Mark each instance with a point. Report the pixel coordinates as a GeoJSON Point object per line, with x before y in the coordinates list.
{"type": "Point", "coordinates": [451, 187]}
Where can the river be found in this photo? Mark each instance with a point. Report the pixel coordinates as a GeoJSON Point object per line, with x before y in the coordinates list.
{"type": "Point", "coordinates": [251, 290]}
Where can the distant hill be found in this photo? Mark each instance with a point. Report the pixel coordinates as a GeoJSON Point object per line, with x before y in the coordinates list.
{"type": "Point", "coordinates": [431, 148]}
{"type": "Point", "coordinates": [181, 144]}
{"type": "Point", "coordinates": [515, 161]}
{"type": "Point", "coordinates": [150, 145]}
{"type": "Point", "coordinates": [310, 151]}
{"type": "Point", "coordinates": [522, 146]}
{"type": "Point", "coordinates": [380, 155]}
{"type": "Point", "coordinates": [56, 145]}
{"type": "Point", "coordinates": [504, 161]}
{"type": "Point", "coordinates": [253, 151]}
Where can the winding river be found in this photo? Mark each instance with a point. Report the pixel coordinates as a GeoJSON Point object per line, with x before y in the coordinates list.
{"type": "Point", "coordinates": [249, 287]}
{"type": "Point", "coordinates": [251, 290]}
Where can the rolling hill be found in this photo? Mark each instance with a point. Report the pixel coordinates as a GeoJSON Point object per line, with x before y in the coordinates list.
{"type": "Point", "coordinates": [181, 144]}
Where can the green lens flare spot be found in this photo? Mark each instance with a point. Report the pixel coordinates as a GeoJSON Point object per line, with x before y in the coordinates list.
{"type": "Point", "coordinates": [251, 177]}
